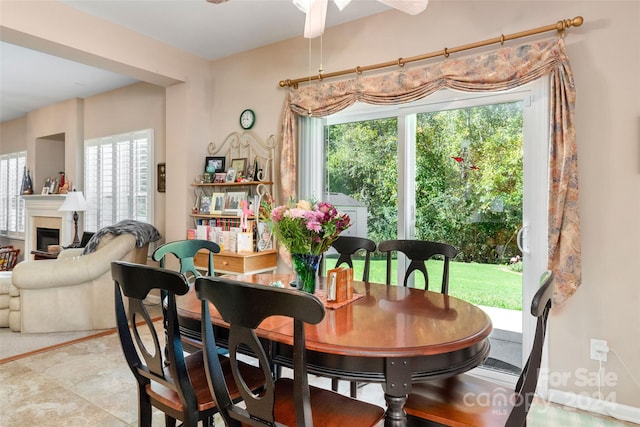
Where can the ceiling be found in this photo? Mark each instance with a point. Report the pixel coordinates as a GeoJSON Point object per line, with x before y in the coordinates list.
{"type": "Point", "coordinates": [30, 80]}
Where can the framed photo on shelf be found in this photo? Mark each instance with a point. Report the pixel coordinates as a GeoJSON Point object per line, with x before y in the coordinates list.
{"type": "Point", "coordinates": [220, 177]}
{"type": "Point", "coordinates": [240, 166]}
{"type": "Point", "coordinates": [217, 203]}
{"type": "Point", "coordinates": [205, 204]}
{"type": "Point", "coordinates": [231, 175]}
{"type": "Point", "coordinates": [232, 202]}
{"type": "Point", "coordinates": [214, 164]}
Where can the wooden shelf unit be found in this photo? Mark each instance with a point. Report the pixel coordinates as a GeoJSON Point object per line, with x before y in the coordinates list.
{"type": "Point", "coordinates": [235, 146]}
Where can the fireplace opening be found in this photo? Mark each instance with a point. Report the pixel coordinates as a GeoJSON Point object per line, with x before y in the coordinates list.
{"type": "Point", "coordinates": [46, 237]}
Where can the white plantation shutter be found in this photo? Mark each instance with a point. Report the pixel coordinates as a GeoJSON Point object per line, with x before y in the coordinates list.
{"type": "Point", "coordinates": [12, 212]}
{"type": "Point", "coordinates": [118, 181]}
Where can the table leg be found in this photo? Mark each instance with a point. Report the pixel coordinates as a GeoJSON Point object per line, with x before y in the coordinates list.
{"type": "Point", "coordinates": [397, 388]}
{"type": "Point", "coordinates": [395, 415]}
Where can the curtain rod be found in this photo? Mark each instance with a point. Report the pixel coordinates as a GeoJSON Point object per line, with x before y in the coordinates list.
{"type": "Point", "coordinates": [559, 26]}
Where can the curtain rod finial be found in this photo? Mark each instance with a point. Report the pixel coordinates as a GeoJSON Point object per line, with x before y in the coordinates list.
{"type": "Point", "coordinates": [567, 23]}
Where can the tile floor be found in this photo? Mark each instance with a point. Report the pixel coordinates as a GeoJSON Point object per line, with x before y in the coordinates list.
{"type": "Point", "coordinates": [89, 384]}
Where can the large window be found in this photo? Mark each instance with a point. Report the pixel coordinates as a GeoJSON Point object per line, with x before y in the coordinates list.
{"type": "Point", "coordinates": [118, 179]}
{"type": "Point", "coordinates": [11, 204]}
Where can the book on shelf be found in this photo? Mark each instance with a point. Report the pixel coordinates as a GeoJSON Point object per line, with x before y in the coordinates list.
{"type": "Point", "coordinates": [226, 223]}
{"type": "Point", "coordinates": [244, 242]}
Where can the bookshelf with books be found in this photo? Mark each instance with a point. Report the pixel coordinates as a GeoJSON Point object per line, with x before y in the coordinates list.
{"type": "Point", "coordinates": [225, 212]}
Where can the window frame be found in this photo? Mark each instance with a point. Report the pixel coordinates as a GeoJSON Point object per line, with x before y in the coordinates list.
{"type": "Point", "coordinates": [9, 197]}
{"type": "Point", "coordinates": [132, 166]}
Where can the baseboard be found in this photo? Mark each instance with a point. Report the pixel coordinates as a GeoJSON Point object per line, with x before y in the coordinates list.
{"type": "Point", "coordinates": [590, 404]}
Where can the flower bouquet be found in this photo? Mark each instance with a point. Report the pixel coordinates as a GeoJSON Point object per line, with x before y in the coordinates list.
{"type": "Point", "coordinates": [307, 230]}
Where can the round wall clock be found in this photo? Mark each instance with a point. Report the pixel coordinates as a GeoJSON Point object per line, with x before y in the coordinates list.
{"type": "Point", "coordinates": [247, 119]}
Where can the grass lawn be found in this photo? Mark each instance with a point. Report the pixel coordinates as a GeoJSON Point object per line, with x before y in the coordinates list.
{"type": "Point", "coordinates": [483, 284]}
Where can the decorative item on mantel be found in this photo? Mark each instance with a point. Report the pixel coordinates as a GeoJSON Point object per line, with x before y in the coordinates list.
{"type": "Point", "coordinates": [27, 185]}
{"type": "Point", "coordinates": [307, 230]}
{"type": "Point", "coordinates": [64, 184]}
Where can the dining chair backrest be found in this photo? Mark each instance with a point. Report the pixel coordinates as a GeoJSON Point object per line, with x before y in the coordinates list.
{"type": "Point", "coordinates": [168, 389]}
{"type": "Point", "coordinates": [185, 251]}
{"type": "Point", "coordinates": [468, 400]}
{"type": "Point", "coordinates": [244, 306]}
{"type": "Point", "coordinates": [528, 380]}
{"type": "Point", "coordinates": [346, 246]}
{"type": "Point", "coordinates": [418, 252]}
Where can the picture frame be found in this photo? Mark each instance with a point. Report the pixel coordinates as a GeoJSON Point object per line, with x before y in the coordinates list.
{"type": "Point", "coordinates": [231, 175]}
{"type": "Point", "coordinates": [45, 190]}
{"type": "Point", "coordinates": [232, 201]}
{"type": "Point", "coordinates": [220, 177]}
{"type": "Point", "coordinates": [205, 204]}
{"type": "Point", "coordinates": [162, 177]}
{"type": "Point", "coordinates": [240, 166]}
{"type": "Point", "coordinates": [217, 203]}
{"type": "Point", "coordinates": [217, 163]}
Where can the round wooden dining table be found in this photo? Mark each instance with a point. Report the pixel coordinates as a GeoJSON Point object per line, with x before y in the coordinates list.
{"type": "Point", "coordinates": [387, 334]}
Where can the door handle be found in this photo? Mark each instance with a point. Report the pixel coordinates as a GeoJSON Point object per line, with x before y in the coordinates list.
{"type": "Point", "coordinates": [520, 239]}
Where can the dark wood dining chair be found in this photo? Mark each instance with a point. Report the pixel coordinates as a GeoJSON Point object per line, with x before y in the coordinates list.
{"type": "Point", "coordinates": [465, 400]}
{"type": "Point", "coordinates": [285, 401]}
{"type": "Point", "coordinates": [347, 246]}
{"type": "Point", "coordinates": [178, 388]}
{"type": "Point", "coordinates": [418, 252]}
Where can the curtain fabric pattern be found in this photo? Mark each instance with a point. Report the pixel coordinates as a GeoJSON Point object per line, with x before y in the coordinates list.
{"type": "Point", "coordinates": [500, 69]}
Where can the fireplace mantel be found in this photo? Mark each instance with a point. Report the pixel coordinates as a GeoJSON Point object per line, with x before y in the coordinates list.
{"type": "Point", "coordinates": [42, 211]}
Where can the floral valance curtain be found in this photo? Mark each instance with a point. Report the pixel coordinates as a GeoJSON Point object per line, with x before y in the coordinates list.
{"type": "Point", "coordinates": [500, 69]}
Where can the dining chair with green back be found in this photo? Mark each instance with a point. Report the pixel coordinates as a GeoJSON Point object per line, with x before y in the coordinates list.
{"type": "Point", "coordinates": [466, 400]}
{"type": "Point", "coordinates": [176, 384]}
{"type": "Point", "coordinates": [418, 252]}
{"type": "Point", "coordinates": [285, 401]}
{"type": "Point", "coordinates": [185, 252]}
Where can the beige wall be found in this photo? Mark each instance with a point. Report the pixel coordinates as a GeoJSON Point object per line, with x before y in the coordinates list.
{"type": "Point", "coordinates": [12, 135]}
{"type": "Point", "coordinates": [605, 61]}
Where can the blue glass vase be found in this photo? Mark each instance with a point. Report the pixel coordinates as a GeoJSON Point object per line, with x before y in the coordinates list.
{"type": "Point", "coordinates": [306, 268]}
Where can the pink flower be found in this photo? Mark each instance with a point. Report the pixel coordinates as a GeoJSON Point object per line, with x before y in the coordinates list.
{"type": "Point", "coordinates": [314, 226]}
{"type": "Point", "coordinates": [296, 213]}
{"type": "Point", "coordinates": [278, 213]}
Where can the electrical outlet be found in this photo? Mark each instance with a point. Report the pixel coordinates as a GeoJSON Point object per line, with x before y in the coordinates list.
{"type": "Point", "coordinates": [599, 350]}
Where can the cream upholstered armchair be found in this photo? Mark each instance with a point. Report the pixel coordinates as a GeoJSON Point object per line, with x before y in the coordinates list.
{"type": "Point", "coordinates": [75, 292]}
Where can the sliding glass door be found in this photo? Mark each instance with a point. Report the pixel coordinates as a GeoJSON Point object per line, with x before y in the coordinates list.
{"type": "Point", "coordinates": [467, 169]}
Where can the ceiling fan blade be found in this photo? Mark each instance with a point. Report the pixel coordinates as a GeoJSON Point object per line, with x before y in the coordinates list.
{"type": "Point", "coordinates": [412, 7]}
{"type": "Point", "coordinates": [315, 20]}
{"type": "Point", "coordinates": [341, 3]}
